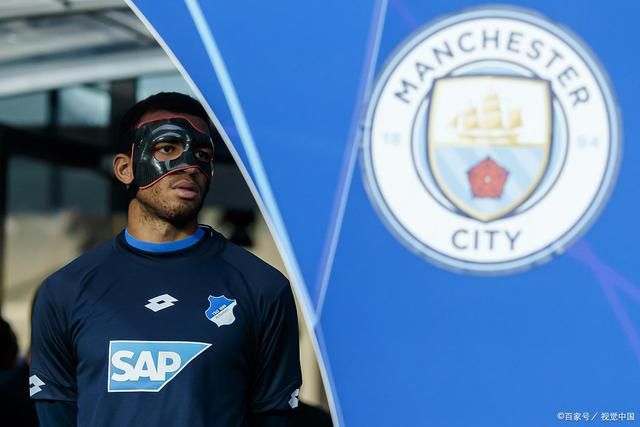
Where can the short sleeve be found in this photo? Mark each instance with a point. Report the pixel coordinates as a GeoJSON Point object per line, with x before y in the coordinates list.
{"type": "Point", "coordinates": [52, 371]}
{"type": "Point", "coordinates": [277, 378]}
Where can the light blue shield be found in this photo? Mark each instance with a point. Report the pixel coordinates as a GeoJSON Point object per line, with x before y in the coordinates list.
{"type": "Point", "coordinates": [488, 141]}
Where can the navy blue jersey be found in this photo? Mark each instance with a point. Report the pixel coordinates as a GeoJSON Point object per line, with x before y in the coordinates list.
{"type": "Point", "coordinates": [201, 336]}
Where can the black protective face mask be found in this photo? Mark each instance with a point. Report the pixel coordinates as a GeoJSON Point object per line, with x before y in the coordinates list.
{"type": "Point", "coordinates": [179, 131]}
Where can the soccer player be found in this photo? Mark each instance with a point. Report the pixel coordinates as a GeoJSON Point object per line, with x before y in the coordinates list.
{"type": "Point", "coordinates": [168, 324]}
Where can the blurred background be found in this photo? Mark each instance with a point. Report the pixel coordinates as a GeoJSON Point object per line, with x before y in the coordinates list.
{"type": "Point", "coordinates": [68, 68]}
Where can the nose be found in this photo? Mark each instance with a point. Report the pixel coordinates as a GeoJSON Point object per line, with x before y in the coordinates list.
{"type": "Point", "coordinates": [192, 170]}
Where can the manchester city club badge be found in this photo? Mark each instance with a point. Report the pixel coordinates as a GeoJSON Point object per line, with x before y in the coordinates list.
{"type": "Point", "coordinates": [491, 140]}
{"type": "Point", "coordinates": [220, 310]}
{"type": "Point", "coordinates": [484, 158]}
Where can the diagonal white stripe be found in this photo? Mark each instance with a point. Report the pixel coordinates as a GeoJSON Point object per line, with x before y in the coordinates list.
{"type": "Point", "coordinates": [264, 199]}
{"type": "Point", "coordinates": [325, 269]}
{"type": "Point", "coordinates": [252, 153]}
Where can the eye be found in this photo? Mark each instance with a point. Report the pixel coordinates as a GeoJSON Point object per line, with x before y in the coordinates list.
{"type": "Point", "coordinates": [165, 148]}
{"type": "Point", "coordinates": [203, 155]}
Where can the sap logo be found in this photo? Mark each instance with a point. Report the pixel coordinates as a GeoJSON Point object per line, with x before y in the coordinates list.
{"type": "Point", "coordinates": [148, 365]}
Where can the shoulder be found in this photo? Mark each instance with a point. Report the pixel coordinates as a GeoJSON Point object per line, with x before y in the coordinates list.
{"type": "Point", "coordinates": [258, 274]}
{"type": "Point", "coordinates": [63, 285]}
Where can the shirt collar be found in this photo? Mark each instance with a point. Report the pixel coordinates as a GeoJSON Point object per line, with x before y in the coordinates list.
{"type": "Point", "coordinates": [165, 246]}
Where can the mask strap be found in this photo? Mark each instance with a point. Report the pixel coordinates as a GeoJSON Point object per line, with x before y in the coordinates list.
{"type": "Point", "coordinates": [170, 172]}
{"type": "Point", "coordinates": [196, 126]}
{"type": "Point", "coordinates": [132, 189]}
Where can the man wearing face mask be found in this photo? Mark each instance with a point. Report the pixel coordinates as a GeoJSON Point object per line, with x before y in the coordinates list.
{"type": "Point", "coordinates": [168, 324]}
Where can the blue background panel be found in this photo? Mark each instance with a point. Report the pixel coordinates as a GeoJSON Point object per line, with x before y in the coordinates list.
{"type": "Point", "coordinates": [405, 342]}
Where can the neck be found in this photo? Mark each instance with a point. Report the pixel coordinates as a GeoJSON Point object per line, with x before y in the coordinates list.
{"type": "Point", "coordinates": [145, 226]}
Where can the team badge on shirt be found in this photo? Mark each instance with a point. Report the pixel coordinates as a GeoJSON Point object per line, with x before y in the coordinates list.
{"type": "Point", "coordinates": [220, 310]}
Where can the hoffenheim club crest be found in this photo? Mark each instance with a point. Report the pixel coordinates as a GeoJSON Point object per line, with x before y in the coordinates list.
{"type": "Point", "coordinates": [220, 310]}
{"type": "Point", "coordinates": [491, 140]}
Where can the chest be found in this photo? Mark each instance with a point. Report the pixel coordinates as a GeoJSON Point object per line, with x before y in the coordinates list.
{"type": "Point", "coordinates": [141, 329]}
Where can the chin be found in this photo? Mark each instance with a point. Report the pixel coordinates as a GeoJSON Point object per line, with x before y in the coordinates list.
{"type": "Point", "coordinates": [183, 212]}
{"type": "Point", "coordinates": [179, 217]}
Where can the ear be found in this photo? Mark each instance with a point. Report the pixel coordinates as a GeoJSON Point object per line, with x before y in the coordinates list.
{"type": "Point", "coordinates": [123, 168]}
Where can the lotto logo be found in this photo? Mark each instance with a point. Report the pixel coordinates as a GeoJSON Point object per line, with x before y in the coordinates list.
{"type": "Point", "coordinates": [148, 365]}
{"type": "Point", "coordinates": [35, 384]}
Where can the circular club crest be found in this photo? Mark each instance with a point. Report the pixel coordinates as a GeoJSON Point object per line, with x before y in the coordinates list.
{"type": "Point", "coordinates": [491, 140]}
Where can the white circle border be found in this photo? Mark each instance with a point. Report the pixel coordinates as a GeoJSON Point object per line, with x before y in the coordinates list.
{"type": "Point", "coordinates": [606, 184]}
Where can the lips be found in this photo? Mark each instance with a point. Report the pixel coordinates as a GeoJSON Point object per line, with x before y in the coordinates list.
{"type": "Point", "coordinates": [186, 189]}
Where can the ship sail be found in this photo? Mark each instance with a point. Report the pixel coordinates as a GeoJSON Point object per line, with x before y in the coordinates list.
{"type": "Point", "coordinates": [470, 118]}
{"type": "Point", "coordinates": [491, 113]}
{"type": "Point", "coordinates": [489, 122]}
{"type": "Point", "coordinates": [515, 120]}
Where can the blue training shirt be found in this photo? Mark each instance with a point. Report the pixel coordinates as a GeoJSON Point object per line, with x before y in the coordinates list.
{"type": "Point", "coordinates": [199, 333]}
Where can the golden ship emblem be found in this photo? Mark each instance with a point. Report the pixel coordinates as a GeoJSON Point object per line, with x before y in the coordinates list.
{"type": "Point", "coordinates": [491, 123]}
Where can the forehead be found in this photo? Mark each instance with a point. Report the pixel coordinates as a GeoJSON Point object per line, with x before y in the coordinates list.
{"type": "Point", "coordinates": [197, 122]}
